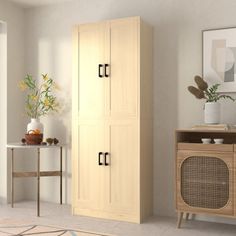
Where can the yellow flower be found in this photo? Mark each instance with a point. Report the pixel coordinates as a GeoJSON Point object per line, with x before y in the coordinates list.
{"type": "Point", "coordinates": [45, 77]}
{"type": "Point", "coordinates": [46, 102]}
{"type": "Point", "coordinates": [33, 97]}
{"type": "Point", "coordinates": [45, 86]}
{"type": "Point", "coordinates": [22, 85]}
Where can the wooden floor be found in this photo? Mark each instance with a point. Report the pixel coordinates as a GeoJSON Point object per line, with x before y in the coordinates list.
{"type": "Point", "coordinates": [55, 215]}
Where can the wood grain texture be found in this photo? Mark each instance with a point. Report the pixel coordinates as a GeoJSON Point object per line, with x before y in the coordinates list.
{"type": "Point", "coordinates": [122, 87]}
{"type": "Point", "coordinates": [234, 183]}
{"type": "Point", "coordinates": [180, 218]}
{"type": "Point", "coordinates": [206, 147]}
{"type": "Point", "coordinates": [90, 182]}
{"type": "Point", "coordinates": [122, 173]}
{"type": "Point", "coordinates": [146, 119]}
{"type": "Point", "coordinates": [91, 43]}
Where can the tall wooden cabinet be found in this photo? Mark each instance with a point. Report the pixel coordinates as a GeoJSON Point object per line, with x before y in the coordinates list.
{"type": "Point", "coordinates": [112, 120]}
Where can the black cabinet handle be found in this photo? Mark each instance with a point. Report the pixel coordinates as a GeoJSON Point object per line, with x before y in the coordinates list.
{"type": "Point", "coordinates": [99, 158]}
{"type": "Point", "coordinates": [99, 70]}
{"type": "Point", "coordinates": [106, 154]}
{"type": "Point", "coordinates": [106, 65]}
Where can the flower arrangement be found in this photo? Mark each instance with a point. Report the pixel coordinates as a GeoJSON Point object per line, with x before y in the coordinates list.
{"type": "Point", "coordinates": [204, 92]}
{"type": "Point", "coordinates": [40, 99]}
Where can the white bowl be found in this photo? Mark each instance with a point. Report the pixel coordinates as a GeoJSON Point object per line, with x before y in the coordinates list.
{"type": "Point", "coordinates": [218, 140]}
{"type": "Point", "coordinates": [206, 140]}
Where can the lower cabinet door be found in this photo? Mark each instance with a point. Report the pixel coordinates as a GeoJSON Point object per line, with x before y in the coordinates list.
{"type": "Point", "coordinates": [122, 171]}
{"type": "Point", "coordinates": [109, 189]}
{"type": "Point", "coordinates": [205, 182]}
{"type": "Point", "coordinates": [87, 174]}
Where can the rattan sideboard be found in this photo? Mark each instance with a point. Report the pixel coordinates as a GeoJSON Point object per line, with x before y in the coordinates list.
{"type": "Point", "coordinates": [205, 180]}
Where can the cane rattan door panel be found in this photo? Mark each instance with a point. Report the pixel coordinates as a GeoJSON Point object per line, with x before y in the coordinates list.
{"type": "Point", "coordinates": [204, 182]}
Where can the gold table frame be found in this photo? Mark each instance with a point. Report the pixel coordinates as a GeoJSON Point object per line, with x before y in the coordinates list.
{"type": "Point", "coordinates": [37, 173]}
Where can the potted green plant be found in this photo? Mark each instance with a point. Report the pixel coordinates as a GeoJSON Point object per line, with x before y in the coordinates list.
{"type": "Point", "coordinates": [212, 97]}
{"type": "Point", "coordinates": [40, 100]}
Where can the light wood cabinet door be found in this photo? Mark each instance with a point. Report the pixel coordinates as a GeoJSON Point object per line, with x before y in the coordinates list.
{"type": "Point", "coordinates": [122, 85]}
{"type": "Point", "coordinates": [92, 42]}
{"type": "Point", "coordinates": [88, 175]}
{"type": "Point", "coordinates": [122, 172]}
{"type": "Point", "coordinates": [115, 44]}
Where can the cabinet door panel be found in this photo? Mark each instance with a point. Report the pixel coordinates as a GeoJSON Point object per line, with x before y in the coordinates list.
{"type": "Point", "coordinates": [88, 179]}
{"type": "Point", "coordinates": [91, 54]}
{"type": "Point", "coordinates": [122, 174]}
{"type": "Point", "coordinates": [122, 91]}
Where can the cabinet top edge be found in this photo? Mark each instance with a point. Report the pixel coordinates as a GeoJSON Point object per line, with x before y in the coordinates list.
{"type": "Point", "coordinates": [110, 20]}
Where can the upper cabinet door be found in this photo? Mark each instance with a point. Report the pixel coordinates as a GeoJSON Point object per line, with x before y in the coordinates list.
{"type": "Point", "coordinates": [122, 86]}
{"type": "Point", "coordinates": [91, 57]}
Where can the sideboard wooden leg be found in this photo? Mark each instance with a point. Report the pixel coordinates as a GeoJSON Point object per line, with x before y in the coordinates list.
{"type": "Point", "coordinates": [187, 216]}
{"type": "Point", "coordinates": [180, 217]}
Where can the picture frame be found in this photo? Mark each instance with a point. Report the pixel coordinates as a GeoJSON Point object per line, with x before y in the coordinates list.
{"type": "Point", "coordinates": [219, 58]}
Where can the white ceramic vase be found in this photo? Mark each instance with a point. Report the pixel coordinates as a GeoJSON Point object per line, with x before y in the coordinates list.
{"type": "Point", "coordinates": [212, 113]}
{"type": "Point", "coordinates": [35, 124]}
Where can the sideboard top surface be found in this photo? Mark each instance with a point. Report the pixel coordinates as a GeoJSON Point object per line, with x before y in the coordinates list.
{"type": "Point", "coordinates": [230, 131]}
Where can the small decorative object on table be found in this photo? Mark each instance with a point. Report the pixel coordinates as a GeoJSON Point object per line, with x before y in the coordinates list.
{"type": "Point", "coordinates": [212, 106]}
{"type": "Point", "coordinates": [206, 140]}
{"type": "Point", "coordinates": [49, 141]}
{"type": "Point", "coordinates": [40, 100]}
{"type": "Point", "coordinates": [35, 126]}
{"type": "Point", "coordinates": [33, 139]}
{"type": "Point", "coordinates": [23, 141]}
{"type": "Point", "coordinates": [218, 140]}
{"type": "Point", "coordinates": [55, 141]}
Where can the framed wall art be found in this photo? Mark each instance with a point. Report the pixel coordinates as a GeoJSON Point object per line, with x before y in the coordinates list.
{"type": "Point", "coordinates": [219, 58]}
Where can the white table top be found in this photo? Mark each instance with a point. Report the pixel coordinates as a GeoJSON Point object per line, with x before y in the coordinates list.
{"type": "Point", "coordinates": [20, 145]}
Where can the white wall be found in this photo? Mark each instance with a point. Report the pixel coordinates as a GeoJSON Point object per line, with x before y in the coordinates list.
{"type": "Point", "coordinates": [11, 98]}
{"type": "Point", "coordinates": [177, 58]}
{"type": "Point", "coordinates": [3, 109]}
